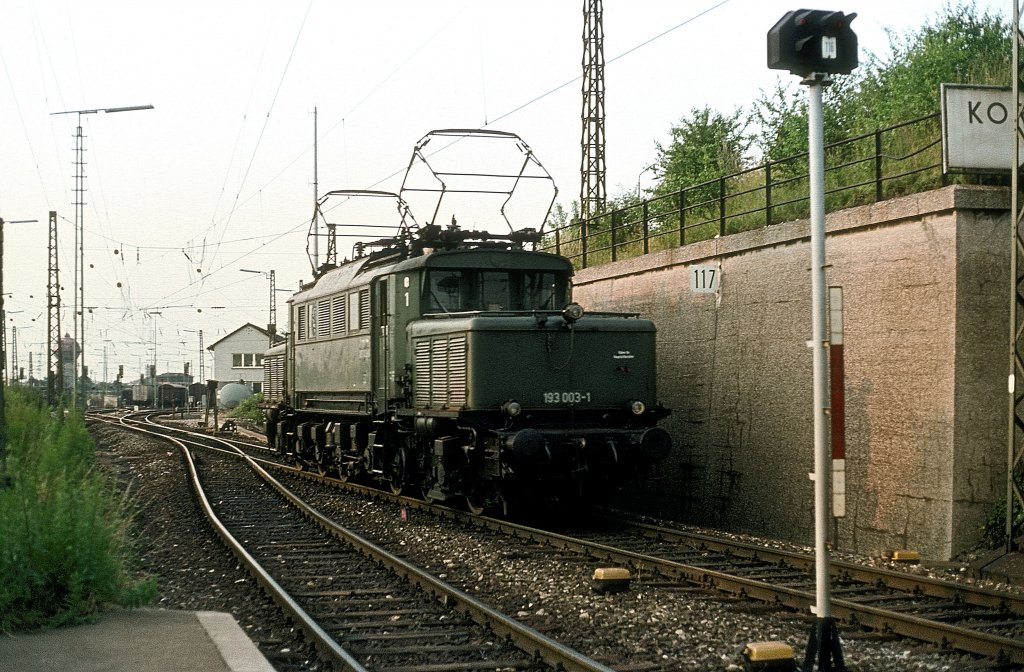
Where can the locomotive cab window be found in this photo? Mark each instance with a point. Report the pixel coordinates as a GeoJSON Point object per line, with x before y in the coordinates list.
{"type": "Point", "coordinates": [446, 292]}
{"type": "Point", "coordinates": [494, 290]}
{"type": "Point", "coordinates": [452, 291]}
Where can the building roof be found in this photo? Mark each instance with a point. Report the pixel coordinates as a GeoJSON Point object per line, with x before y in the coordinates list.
{"type": "Point", "coordinates": [247, 324]}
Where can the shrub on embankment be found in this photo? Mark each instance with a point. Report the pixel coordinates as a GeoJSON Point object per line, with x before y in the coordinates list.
{"type": "Point", "coordinates": [64, 542]}
{"type": "Point", "coordinates": [250, 411]}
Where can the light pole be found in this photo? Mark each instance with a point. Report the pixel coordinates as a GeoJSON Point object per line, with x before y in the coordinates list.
{"type": "Point", "coordinates": [79, 301]}
{"type": "Point", "coordinates": [153, 314]}
{"type": "Point", "coordinates": [272, 323]}
{"type": "Point", "coordinates": [646, 168]}
{"type": "Point", "coordinates": [3, 356]}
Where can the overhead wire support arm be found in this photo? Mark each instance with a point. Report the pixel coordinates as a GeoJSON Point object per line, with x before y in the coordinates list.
{"type": "Point", "coordinates": [79, 252]}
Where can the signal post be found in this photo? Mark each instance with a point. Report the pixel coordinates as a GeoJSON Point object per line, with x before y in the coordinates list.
{"type": "Point", "coordinates": [815, 44]}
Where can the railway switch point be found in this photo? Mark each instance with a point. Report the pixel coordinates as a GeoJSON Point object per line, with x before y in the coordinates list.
{"type": "Point", "coordinates": [610, 580]}
{"type": "Point", "coordinates": [770, 656]}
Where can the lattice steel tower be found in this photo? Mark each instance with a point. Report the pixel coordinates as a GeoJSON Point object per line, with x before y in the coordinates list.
{"type": "Point", "coordinates": [54, 366]}
{"type": "Point", "coordinates": [592, 167]}
{"type": "Point", "coordinates": [1015, 415]}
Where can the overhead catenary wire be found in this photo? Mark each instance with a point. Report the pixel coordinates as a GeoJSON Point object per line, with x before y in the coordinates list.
{"type": "Point", "coordinates": [266, 120]}
{"type": "Point", "coordinates": [210, 253]}
{"type": "Point", "coordinates": [303, 223]}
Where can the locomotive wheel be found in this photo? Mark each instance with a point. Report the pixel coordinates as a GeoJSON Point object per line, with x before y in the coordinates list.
{"type": "Point", "coordinates": [295, 452]}
{"type": "Point", "coordinates": [475, 505]}
{"type": "Point", "coordinates": [395, 469]}
{"type": "Point", "coordinates": [320, 460]}
{"type": "Point", "coordinates": [479, 498]}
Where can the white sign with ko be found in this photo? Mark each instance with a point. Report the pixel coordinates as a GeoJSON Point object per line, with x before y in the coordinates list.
{"type": "Point", "coordinates": [977, 131]}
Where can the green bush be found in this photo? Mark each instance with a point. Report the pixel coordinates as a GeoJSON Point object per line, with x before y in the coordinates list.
{"type": "Point", "coordinates": [249, 410]}
{"type": "Point", "coordinates": [64, 542]}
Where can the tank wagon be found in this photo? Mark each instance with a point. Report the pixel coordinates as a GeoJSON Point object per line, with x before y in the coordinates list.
{"type": "Point", "coordinates": [454, 365]}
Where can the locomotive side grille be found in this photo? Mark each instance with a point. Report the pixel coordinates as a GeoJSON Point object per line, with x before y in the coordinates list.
{"type": "Point", "coordinates": [338, 315]}
{"type": "Point", "coordinates": [457, 371]}
{"type": "Point", "coordinates": [440, 372]}
{"type": "Point", "coordinates": [421, 370]}
{"type": "Point", "coordinates": [302, 323]}
{"type": "Point", "coordinates": [273, 378]}
{"type": "Point", "coordinates": [364, 308]}
{"type": "Point", "coordinates": [323, 309]}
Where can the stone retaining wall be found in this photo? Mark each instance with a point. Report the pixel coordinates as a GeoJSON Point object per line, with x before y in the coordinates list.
{"type": "Point", "coordinates": [926, 309]}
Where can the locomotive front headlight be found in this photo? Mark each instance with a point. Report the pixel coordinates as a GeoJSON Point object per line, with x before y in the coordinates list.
{"type": "Point", "coordinates": [638, 407]}
{"type": "Point", "coordinates": [511, 408]}
{"type": "Point", "coordinates": [572, 312]}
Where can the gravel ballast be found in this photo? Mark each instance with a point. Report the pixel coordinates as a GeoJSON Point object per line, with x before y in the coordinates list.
{"type": "Point", "coordinates": [671, 627]}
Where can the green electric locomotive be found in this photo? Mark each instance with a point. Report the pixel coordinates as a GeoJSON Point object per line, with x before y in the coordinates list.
{"type": "Point", "coordinates": [453, 365]}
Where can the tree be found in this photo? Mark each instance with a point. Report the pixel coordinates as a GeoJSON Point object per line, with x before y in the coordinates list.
{"type": "Point", "coordinates": [781, 119]}
{"type": "Point", "coordinates": [957, 46]}
{"type": "Point", "coordinates": [704, 146]}
{"type": "Point", "coordinates": [559, 217]}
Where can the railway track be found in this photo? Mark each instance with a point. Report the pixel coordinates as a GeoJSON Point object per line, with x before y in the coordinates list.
{"type": "Point", "coordinates": [948, 614]}
{"type": "Point", "coordinates": [364, 607]}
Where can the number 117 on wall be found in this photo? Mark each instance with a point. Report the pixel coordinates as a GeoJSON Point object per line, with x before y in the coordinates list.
{"type": "Point", "coordinates": [705, 278]}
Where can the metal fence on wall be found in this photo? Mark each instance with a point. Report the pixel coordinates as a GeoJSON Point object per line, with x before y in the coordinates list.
{"type": "Point", "coordinates": [893, 161]}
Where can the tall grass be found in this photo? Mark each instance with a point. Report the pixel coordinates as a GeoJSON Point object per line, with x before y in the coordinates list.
{"type": "Point", "coordinates": [64, 531]}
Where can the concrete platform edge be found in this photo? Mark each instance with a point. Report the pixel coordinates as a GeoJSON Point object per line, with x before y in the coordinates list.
{"type": "Point", "coordinates": [238, 651]}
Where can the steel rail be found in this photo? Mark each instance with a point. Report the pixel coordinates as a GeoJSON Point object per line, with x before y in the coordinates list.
{"type": "Point", "coordinates": [526, 638]}
{"type": "Point", "coordinates": [319, 636]}
{"type": "Point", "coordinates": [1003, 649]}
{"type": "Point", "coordinates": [925, 585]}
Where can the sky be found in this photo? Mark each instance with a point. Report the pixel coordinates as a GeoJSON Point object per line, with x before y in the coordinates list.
{"type": "Point", "coordinates": [219, 175]}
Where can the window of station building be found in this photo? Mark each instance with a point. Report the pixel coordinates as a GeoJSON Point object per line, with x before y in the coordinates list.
{"type": "Point", "coordinates": [246, 360]}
